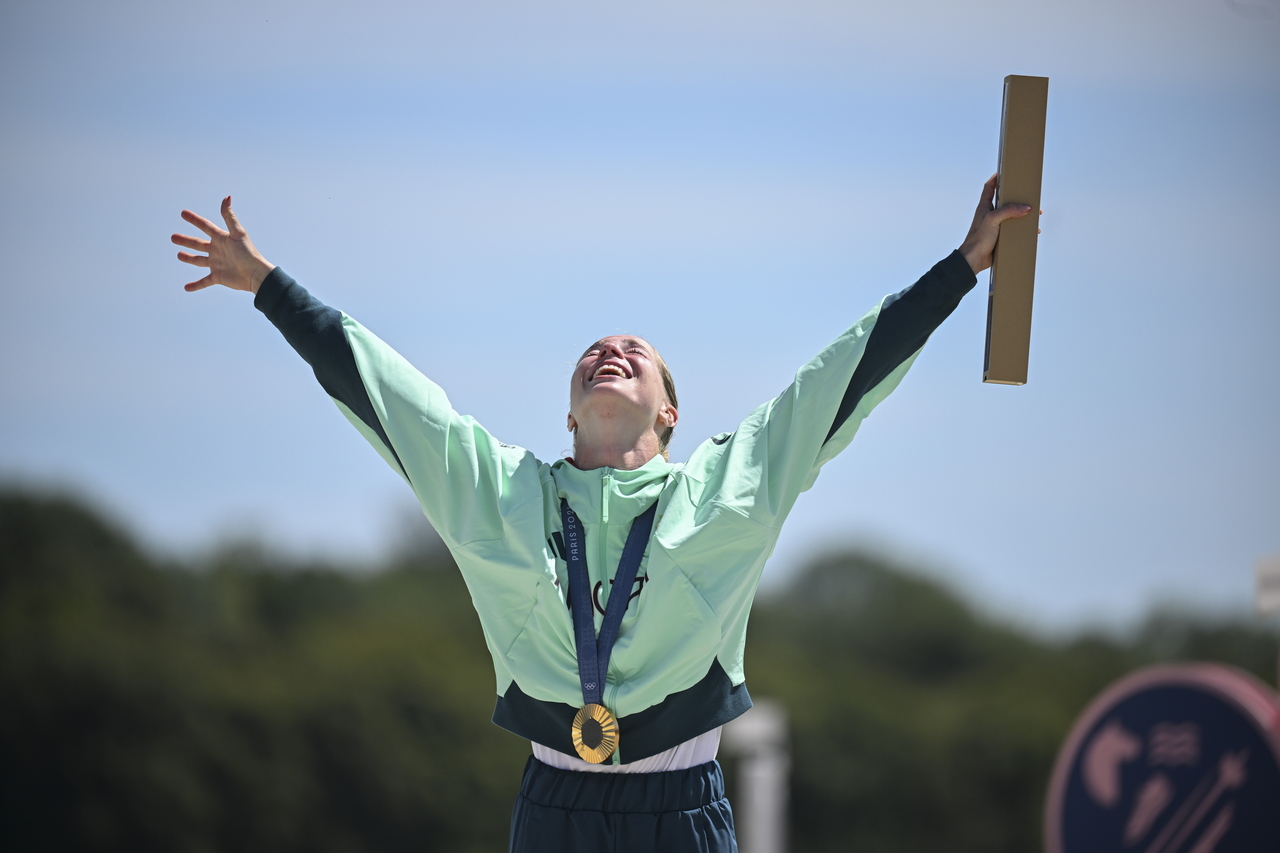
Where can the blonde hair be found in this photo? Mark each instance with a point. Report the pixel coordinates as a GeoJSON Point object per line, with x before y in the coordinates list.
{"type": "Point", "coordinates": [668, 386]}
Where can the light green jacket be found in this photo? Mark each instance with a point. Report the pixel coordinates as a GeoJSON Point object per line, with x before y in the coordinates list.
{"type": "Point", "coordinates": [719, 515]}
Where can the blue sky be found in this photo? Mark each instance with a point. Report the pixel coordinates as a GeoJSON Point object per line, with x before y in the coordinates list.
{"type": "Point", "coordinates": [491, 185]}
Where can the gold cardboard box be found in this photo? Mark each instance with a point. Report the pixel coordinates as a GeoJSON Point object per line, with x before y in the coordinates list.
{"type": "Point", "coordinates": [1013, 268]}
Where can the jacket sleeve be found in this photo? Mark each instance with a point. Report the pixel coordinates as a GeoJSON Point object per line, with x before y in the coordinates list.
{"type": "Point", "coordinates": [465, 479]}
{"type": "Point", "coordinates": [775, 454]}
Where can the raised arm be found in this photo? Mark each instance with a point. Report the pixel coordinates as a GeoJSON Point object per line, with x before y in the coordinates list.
{"type": "Point", "coordinates": [776, 453]}
{"type": "Point", "coordinates": [312, 328]}
{"type": "Point", "coordinates": [907, 318]}
{"type": "Point", "coordinates": [467, 482]}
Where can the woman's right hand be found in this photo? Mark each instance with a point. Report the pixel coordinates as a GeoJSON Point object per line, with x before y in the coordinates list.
{"type": "Point", "coordinates": [980, 244]}
{"type": "Point", "coordinates": [231, 258]}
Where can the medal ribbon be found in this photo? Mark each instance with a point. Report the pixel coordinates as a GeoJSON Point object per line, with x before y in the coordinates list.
{"type": "Point", "coordinates": [593, 652]}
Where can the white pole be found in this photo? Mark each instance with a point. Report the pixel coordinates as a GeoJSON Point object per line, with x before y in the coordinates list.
{"type": "Point", "coordinates": [1266, 595]}
{"type": "Point", "coordinates": [759, 739]}
{"type": "Point", "coordinates": [1267, 586]}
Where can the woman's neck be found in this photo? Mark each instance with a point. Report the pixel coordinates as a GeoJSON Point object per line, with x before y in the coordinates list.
{"type": "Point", "coordinates": [625, 456]}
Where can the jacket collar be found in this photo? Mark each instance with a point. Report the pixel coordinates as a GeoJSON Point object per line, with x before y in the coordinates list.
{"type": "Point", "coordinates": [629, 493]}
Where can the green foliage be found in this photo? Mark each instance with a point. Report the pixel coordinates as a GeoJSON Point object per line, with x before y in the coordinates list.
{"type": "Point", "coordinates": [240, 705]}
{"type": "Point", "coordinates": [248, 703]}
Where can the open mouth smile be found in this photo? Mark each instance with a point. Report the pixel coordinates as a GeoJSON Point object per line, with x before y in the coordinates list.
{"type": "Point", "coordinates": [610, 368]}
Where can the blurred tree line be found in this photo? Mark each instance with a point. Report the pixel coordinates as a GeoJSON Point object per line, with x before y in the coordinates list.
{"type": "Point", "coordinates": [247, 703]}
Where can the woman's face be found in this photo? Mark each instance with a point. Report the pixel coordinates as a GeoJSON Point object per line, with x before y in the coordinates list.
{"type": "Point", "coordinates": [617, 376]}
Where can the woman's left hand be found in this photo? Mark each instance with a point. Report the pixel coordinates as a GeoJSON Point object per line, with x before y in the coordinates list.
{"type": "Point", "coordinates": [979, 245]}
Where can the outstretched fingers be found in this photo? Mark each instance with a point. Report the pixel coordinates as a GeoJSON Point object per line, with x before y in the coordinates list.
{"type": "Point", "coordinates": [204, 224]}
{"type": "Point", "coordinates": [229, 216]}
{"type": "Point", "coordinates": [194, 260]}
{"type": "Point", "coordinates": [229, 256]}
{"type": "Point", "coordinates": [192, 287]}
{"type": "Point", "coordinates": [190, 242]}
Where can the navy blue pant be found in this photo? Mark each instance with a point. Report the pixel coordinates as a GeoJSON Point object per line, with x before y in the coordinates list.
{"type": "Point", "coordinates": [678, 811]}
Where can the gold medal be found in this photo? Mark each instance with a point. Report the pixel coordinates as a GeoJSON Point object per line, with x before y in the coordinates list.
{"type": "Point", "coordinates": [595, 733]}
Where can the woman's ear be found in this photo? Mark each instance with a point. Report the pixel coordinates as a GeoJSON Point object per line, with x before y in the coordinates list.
{"type": "Point", "coordinates": [572, 424]}
{"type": "Point", "coordinates": [667, 416]}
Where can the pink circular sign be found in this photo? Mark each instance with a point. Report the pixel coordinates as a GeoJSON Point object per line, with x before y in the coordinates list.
{"type": "Point", "coordinates": [1172, 759]}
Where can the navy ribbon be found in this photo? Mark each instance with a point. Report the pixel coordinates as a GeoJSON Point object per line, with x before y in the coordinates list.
{"type": "Point", "coordinates": [593, 651]}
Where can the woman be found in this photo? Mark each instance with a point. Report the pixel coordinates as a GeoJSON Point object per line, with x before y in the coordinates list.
{"type": "Point", "coordinates": [614, 586]}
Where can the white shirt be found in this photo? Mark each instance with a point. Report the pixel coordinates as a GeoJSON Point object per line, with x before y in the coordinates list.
{"type": "Point", "coordinates": [691, 753]}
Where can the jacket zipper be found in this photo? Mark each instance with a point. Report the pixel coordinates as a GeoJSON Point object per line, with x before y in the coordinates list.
{"type": "Point", "coordinates": [604, 496]}
{"type": "Point", "coordinates": [603, 550]}
{"type": "Point", "coordinates": [606, 479]}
